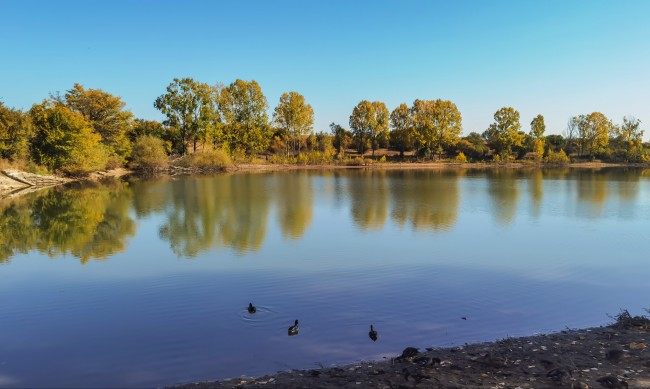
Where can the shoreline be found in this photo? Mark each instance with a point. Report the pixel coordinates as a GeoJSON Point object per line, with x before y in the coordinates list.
{"type": "Point", "coordinates": [14, 182]}
{"type": "Point", "coordinates": [575, 358]}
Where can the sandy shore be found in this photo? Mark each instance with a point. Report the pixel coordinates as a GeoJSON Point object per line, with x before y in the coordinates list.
{"type": "Point", "coordinates": [615, 356]}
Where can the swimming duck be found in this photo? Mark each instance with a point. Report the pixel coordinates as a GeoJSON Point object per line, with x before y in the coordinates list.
{"type": "Point", "coordinates": [293, 330]}
{"type": "Point", "coordinates": [251, 308]}
{"type": "Point", "coordinates": [372, 334]}
{"type": "Point", "coordinates": [612, 382]}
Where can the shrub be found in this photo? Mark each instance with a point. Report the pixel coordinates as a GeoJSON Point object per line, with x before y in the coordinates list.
{"type": "Point", "coordinates": [149, 153]}
{"type": "Point", "coordinates": [559, 157]}
{"type": "Point", "coordinates": [461, 157]}
{"type": "Point", "coordinates": [207, 160]}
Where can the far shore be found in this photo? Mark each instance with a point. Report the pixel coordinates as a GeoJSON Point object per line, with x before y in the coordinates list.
{"type": "Point", "coordinates": [15, 182]}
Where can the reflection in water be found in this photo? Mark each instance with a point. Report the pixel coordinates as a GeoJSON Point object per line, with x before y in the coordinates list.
{"type": "Point", "coordinates": [87, 222]}
{"type": "Point", "coordinates": [504, 193]}
{"type": "Point", "coordinates": [369, 196]}
{"type": "Point", "coordinates": [203, 213]}
{"type": "Point", "coordinates": [295, 202]}
{"type": "Point", "coordinates": [207, 212]}
{"type": "Point", "coordinates": [429, 199]}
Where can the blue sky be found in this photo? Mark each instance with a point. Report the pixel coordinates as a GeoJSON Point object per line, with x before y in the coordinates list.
{"type": "Point", "coordinates": [557, 58]}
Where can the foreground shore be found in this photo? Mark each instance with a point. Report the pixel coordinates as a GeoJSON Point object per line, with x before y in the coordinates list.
{"type": "Point", "coordinates": [615, 356]}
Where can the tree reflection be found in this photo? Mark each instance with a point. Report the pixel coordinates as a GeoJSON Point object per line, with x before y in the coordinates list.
{"type": "Point", "coordinates": [208, 212]}
{"type": "Point", "coordinates": [536, 190]}
{"type": "Point", "coordinates": [429, 199]}
{"type": "Point", "coordinates": [87, 221]}
{"type": "Point", "coordinates": [503, 188]}
{"type": "Point", "coordinates": [295, 202]}
{"type": "Point", "coordinates": [369, 196]}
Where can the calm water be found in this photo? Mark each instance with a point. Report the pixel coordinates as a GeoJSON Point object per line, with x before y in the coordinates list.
{"type": "Point", "coordinates": [146, 283]}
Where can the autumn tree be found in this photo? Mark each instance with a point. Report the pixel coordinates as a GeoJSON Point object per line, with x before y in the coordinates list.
{"type": "Point", "coordinates": [369, 124]}
{"type": "Point", "coordinates": [107, 116]}
{"type": "Point", "coordinates": [243, 107]}
{"type": "Point", "coordinates": [341, 138]}
{"type": "Point", "coordinates": [64, 140]}
{"type": "Point", "coordinates": [191, 108]}
{"type": "Point", "coordinates": [401, 134]}
{"type": "Point", "coordinates": [629, 136]}
{"type": "Point", "coordinates": [15, 133]}
{"type": "Point", "coordinates": [504, 133]}
{"type": "Point", "coordinates": [537, 128]}
{"type": "Point", "coordinates": [594, 130]}
{"type": "Point", "coordinates": [436, 123]}
{"type": "Point", "coordinates": [142, 127]}
{"type": "Point", "coordinates": [294, 117]}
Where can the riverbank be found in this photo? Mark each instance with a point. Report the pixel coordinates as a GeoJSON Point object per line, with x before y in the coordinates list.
{"type": "Point", "coordinates": [15, 182]}
{"type": "Point", "coordinates": [586, 358]}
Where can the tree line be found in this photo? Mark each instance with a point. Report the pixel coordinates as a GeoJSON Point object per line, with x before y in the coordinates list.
{"type": "Point", "coordinates": [86, 130]}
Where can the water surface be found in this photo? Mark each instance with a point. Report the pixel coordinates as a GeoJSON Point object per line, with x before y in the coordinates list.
{"type": "Point", "coordinates": [145, 283]}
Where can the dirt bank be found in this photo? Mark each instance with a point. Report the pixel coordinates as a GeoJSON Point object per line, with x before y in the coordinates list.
{"type": "Point", "coordinates": [600, 357]}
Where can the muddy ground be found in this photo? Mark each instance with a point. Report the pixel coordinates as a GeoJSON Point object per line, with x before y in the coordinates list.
{"type": "Point", "coordinates": [615, 356]}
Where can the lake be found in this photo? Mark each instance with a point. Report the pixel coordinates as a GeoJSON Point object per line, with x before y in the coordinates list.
{"type": "Point", "coordinates": [145, 282]}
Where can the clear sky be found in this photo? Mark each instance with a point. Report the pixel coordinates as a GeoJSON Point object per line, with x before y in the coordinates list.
{"type": "Point", "coordinates": [557, 58]}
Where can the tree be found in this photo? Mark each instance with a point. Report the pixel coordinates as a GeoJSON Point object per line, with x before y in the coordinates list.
{"type": "Point", "coordinates": [191, 108]}
{"type": "Point", "coordinates": [64, 140]}
{"type": "Point", "coordinates": [629, 136]}
{"type": "Point", "coordinates": [342, 138]}
{"type": "Point", "coordinates": [401, 135]}
{"type": "Point", "coordinates": [369, 124]}
{"type": "Point", "coordinates": [15, 133]}
{"type": "Point", "coordinates": [594, 130]}
{"type": "Point", "coordinates": [537, 128]}
{"type": "Point", "coordinates": [168, 135]}
{"type": "Point", "coordinates": [294, 117]}
{"type": "Point", "coordinates": [243, 108]}
{"type": "Point", "coordinates": [571, 133]}
{"type": "Point", "coordinates": [149, 153]}
{"type": "Point", "coordinates": [504, 133]}
{"type": "Point", "coordinates": [436, 123]}
{"type": "Point", "coordinates": [107, 116]}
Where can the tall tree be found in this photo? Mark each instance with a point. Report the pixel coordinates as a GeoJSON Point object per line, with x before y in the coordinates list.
{"type": "Point", "coordinates": [106, 114]}
{"type": "Point", "coordinates": [191, 108]}
{"type": "Point", "coordinates": [537, 128]}
{"type": "Point", "coordinates": [401, 134]}
{"type": "Point", "coordinates": [64, 140]}
{"type": "Point", "coordinates": [504, 133]}
{"type": "Point", "coordinates": [15, 134]}
{"type": "Point", "coordinates": [342, 137]}
{"type": "Point", "coordinates": [243, 107]}
{"type": "Point", "coordinates": [369, 124]}
{"type": "Point", "coordinates": [436, 123]}
{"type": "Point", "coordinates": [294, 117]}
{"type": "Point", "coordinates": [594, 130]}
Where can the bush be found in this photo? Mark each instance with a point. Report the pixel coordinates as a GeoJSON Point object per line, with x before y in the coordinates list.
{"type": "Point", "coordinates": [149, 153]}
{"type": "Point", "coordinates": [559, 157]}
{"type": "Point", "coordinates": [207, 160]}
{"type": "Point", "coordinates": [461, 157]}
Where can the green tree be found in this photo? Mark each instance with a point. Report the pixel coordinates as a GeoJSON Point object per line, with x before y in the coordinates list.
{"type": "Point", "coordinates": [64, 140]}
{"type": "Point", "coordinates": [243, 107]}
{"type": "Point", "coordinates": [191, 108]}
{"type": "Point", "coordinates": [504, 133]}
{"type": "Point", "coordinates": [342, 138]}
{"type": "Point", "coordinates": [537, 128]}
{"type": "Point", "coordinates": [369, 124]}
{"type": "Point", "coordinates": [106, 115]}
{"type": "Point", "coordinates": [630, 136]}
{"type": "Point", "coordinates": [436, 123]}
{"type": "Point", "coordinates": [15, 134]}
{"type": "Point", "coordinates": [142, 127]}
{"type": "Point", "coordinates": [294, 117]}
{"type": "Point", "coordinates": [594, 130]}
{"type": "Point", "coordinates": [401, 134]}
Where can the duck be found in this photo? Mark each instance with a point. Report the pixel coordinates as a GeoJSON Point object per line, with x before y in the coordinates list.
{"type": "Point", "coordinates": [372, 334]}
{"type": "Point", "coordinates": [251, 308]}
{"type": "Point", "coordinates": [612, 382]}
{"type": "Point", "coordinates": [293, 330]}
